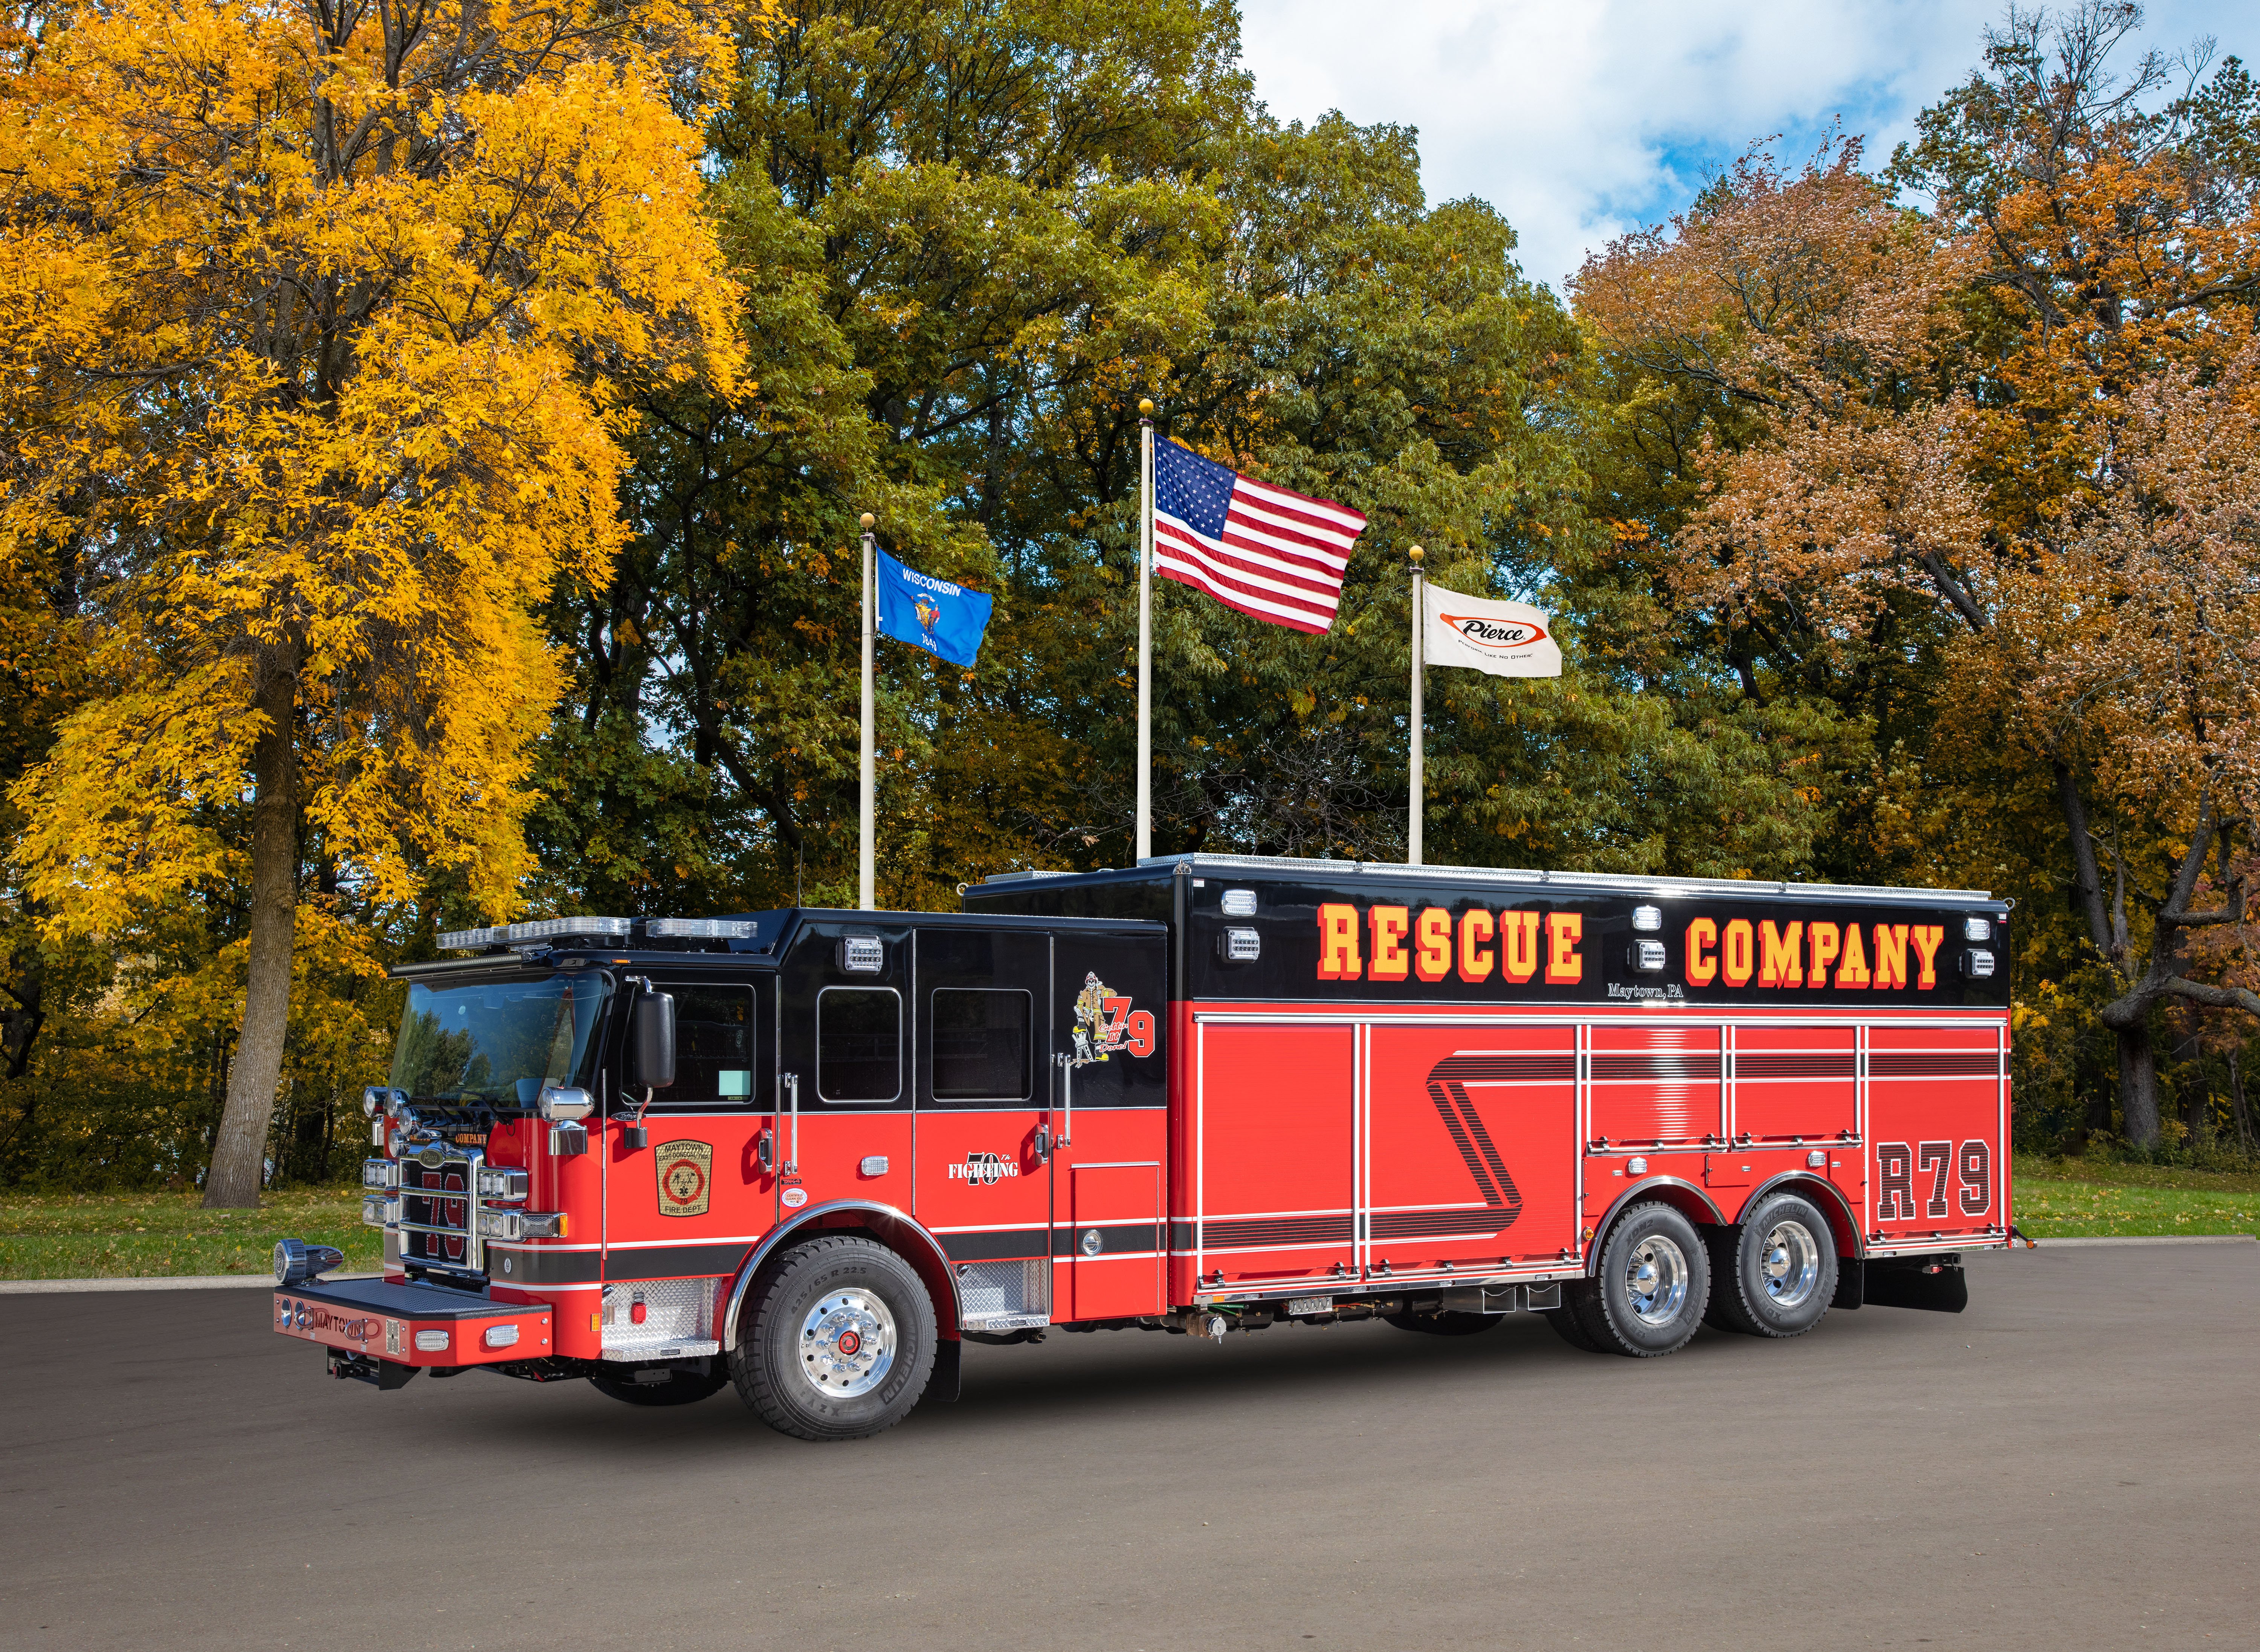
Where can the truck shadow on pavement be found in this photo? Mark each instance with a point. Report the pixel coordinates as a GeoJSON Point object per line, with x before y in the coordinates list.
{"type": "Point", "coordinates": [1079, 1378]}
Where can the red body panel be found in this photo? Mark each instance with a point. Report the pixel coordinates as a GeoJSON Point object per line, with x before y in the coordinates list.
{"type": "Point", "coordinates": [1348, 1147]}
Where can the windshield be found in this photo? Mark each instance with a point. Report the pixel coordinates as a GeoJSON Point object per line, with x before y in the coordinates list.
{"type": "Point", "coordinates": [499, 1041]}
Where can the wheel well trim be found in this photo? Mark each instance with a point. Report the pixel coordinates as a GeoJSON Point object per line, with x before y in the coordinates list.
{"type": "Point", "coordinates": [1805, 1181]}
{"type": "Point", "coordinates": [750, 1269]}
{"type": "Point", "coordinates": [1645, 1185]}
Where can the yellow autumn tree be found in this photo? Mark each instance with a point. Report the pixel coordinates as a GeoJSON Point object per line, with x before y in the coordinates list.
{"type": "Point", "coordinates": [315, 321]}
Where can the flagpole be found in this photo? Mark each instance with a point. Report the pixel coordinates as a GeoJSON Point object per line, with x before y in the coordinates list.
{"type": "Point", "coordinates": [866, 861]}
{"type": "Point", "coordinates": [1145, 835]}
{"type": "Point", "coordinates": [1420, 732]}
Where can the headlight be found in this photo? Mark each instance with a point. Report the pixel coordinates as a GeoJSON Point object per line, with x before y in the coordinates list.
{"type": "Point", "coordinates": [377, 1209]}
{"type": "Point", "coordinates": [383, 1173]}
{"type": "Point", "coordinates": [510, 1226]}
{"type": "Point", "coordinates": [503, 1183]}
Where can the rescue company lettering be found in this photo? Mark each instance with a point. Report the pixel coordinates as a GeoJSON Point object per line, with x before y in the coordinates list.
{"type": "Point", "coordinates": [1431, 944]}
{"type": "Point", "coordinates": [1782, 956]}
{"type": "Point", "coordinates": [1434, 947]}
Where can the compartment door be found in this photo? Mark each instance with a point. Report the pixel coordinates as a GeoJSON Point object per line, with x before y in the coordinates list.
{"type": "Point", "coordinates": [1273, 1170]}
{"type": "Point", "coordinates": [1473, 1147]}
{"type": "Point", "coordinates": [1937, 1133]}
{"type": "Point", "coordinates": [1113, 1238]}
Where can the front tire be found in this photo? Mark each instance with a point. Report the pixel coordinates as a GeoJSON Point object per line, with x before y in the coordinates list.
{"type": "Point", "coordinates": [1777, 1269]}
{"type": "Point", "coordinates": [839, 1341]}
{"type": "Point", "coordinates": [1654, 1281]}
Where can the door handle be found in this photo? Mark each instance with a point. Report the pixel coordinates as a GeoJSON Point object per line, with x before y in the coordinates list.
{"type": "Point", "coordinates": [765, 1150]}
{"type": "Point", "coordinates": [1043, 1145]}
{"type": "Point", "coordinates": [1067, 1064]}
{"type": "Point", "coordinates": [792, 1088]}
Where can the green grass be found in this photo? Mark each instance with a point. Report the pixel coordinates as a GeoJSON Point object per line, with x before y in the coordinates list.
{"type": "Point", "coordinates": [2067, 1198]}
{"type": "Point", "coordinates": [143, 1235]}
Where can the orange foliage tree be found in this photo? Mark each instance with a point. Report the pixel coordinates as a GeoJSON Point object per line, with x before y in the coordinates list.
{"type": "Point", "coordinates": [314, 320]}
{"type": "Point", "coordinates": [2023, 420]}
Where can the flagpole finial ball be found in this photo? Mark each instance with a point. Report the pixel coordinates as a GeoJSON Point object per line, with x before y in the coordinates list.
{"type": "Point", "coordinates": [1145, 410]}
{"type": "Point", "coordinates": [1416, 553]}
{"type": "Point", "coordinates": [869, 521]}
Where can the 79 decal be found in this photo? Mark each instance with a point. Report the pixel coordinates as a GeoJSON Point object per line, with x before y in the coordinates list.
{"type": "Point", "coordinates": [1911, 1181]}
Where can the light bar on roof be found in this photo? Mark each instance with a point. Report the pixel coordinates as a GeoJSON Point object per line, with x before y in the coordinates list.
{"type": "Point", "coordinates": [700, 928]}
{"type": "Point", "coordinates": [538, 929]}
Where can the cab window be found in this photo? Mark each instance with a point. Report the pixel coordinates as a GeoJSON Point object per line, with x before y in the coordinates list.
{"type": "Point", "coordinates": [983, 1043]}
{"type": "Point", "coordinates": [859, 1044]}
{"type": "Point", "coordinates": [714, 1044]}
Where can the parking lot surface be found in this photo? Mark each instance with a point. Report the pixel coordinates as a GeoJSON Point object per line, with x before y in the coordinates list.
{"type": "Point", "coordinates": [2068, 1464]}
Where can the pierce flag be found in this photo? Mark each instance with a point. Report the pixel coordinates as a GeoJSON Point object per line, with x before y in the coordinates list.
{"type": "Point", "coordinates": [1268, 552]}
{"type": "Point", "coordinates": [944, 619]}
{"type": "Point", "coordinates": [1506, 638]}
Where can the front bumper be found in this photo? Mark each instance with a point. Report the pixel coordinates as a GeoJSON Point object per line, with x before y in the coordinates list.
{"type": "Point", "coordinates": [413, 1325]}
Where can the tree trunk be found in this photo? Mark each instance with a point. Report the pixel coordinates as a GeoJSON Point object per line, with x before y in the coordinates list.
{"type": "Point", "coordinates": [2138, 1085]}
{"type": "Point", "coordinates": [238, 1152]}
{"type": "Point", "coordinates": [2242, 1115]}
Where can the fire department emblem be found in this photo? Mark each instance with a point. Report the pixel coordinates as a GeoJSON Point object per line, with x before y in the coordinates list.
{"type": "Point", "coordinates": [686, 1178]}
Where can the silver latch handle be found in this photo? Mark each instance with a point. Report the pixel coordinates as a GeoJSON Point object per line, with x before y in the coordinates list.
{"type": "Point", "coordinates": [792, 1088]}
{"type": "Point", "coordinates": [1067, 1064]}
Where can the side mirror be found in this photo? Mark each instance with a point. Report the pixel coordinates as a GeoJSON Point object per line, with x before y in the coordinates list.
{"type": "Point", "coordinates": [651, 1062]}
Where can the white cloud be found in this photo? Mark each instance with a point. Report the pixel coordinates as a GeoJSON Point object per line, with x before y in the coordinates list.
{"type": "Point", "coordinates": [1579, 118]}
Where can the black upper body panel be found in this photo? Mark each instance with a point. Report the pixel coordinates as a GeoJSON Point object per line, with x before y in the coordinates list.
{"type": "Point", "coordinates": [1348, 932]}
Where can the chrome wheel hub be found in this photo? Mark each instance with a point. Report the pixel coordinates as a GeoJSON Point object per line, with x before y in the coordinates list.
{"type": "Point", "coordinates": [1656, 1280]}
{"type": "Point", "coordinates": [847, 1343]}
{"type": "Point", "coordinates": [1789, 1265]}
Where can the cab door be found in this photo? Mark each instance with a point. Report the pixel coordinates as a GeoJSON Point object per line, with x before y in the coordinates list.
{"type": "Point", "coordinates": [682, 1205]}
{"type": "Point", "coordinates": [982, 1178]}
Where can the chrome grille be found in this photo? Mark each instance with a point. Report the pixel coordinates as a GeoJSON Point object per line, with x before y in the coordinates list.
{"type": "Point", "coordinates": [438, 1220]}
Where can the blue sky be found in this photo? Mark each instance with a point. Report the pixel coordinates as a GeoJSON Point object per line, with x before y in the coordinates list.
{"type": "Point", "coordinates": [1581, 118]}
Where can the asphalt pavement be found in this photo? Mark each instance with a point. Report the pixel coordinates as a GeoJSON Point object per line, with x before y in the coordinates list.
{"type": "Point", "coordinates": [2070, 1463]}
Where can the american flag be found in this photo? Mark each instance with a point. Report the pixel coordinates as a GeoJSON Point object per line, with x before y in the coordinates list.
{"type": "Point", "coordinates": [1261, 549]}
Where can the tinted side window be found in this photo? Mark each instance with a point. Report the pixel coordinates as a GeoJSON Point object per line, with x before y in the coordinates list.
{"type": "Point", "coordinates": [983, 1043]}
{"type": "Point", "coordinates": [714, 1044]}
{"type": "Point", "coordinates": [859, 1044]}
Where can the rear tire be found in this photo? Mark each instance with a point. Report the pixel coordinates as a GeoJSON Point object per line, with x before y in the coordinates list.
{"type": "Point", "coordinates": [1446, 1323]}
{"type": "Point", "coordinates": [1777, 1271]}
{"type": "Point", "coordinates": [838, 1343]}
{"type": "Point", "coordinates": [1564, 1319]}
{"type": "Point", "coordinates": [1654, 1281]}
{"type": "Point", "coordinates": [681, 1388]}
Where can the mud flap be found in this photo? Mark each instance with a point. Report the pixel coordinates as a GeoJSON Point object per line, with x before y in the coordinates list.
{"type": "Point", "coordinates": [1938, 1285]}
{"type": "Point", "coordinates": [1850, 1283]}
{"type": "Point", "coordinates": [944, 1384]}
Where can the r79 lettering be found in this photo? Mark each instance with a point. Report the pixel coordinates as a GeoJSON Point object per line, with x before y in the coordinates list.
{"type": "Point", "coordinates": [1897, 1163]}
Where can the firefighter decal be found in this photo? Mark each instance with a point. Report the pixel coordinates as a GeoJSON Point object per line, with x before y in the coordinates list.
{"type": "Point", "coordinates": [686, 1178]}
{"type": "Point", "coordinates": [1104, 1023]}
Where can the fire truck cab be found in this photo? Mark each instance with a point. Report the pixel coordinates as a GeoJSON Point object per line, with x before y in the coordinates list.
{"type": "Point", "coordinates": [814, 1152]}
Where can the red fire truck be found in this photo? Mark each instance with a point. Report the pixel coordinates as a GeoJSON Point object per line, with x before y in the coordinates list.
{"type": "Point", "coordinates": [814, 1152]}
